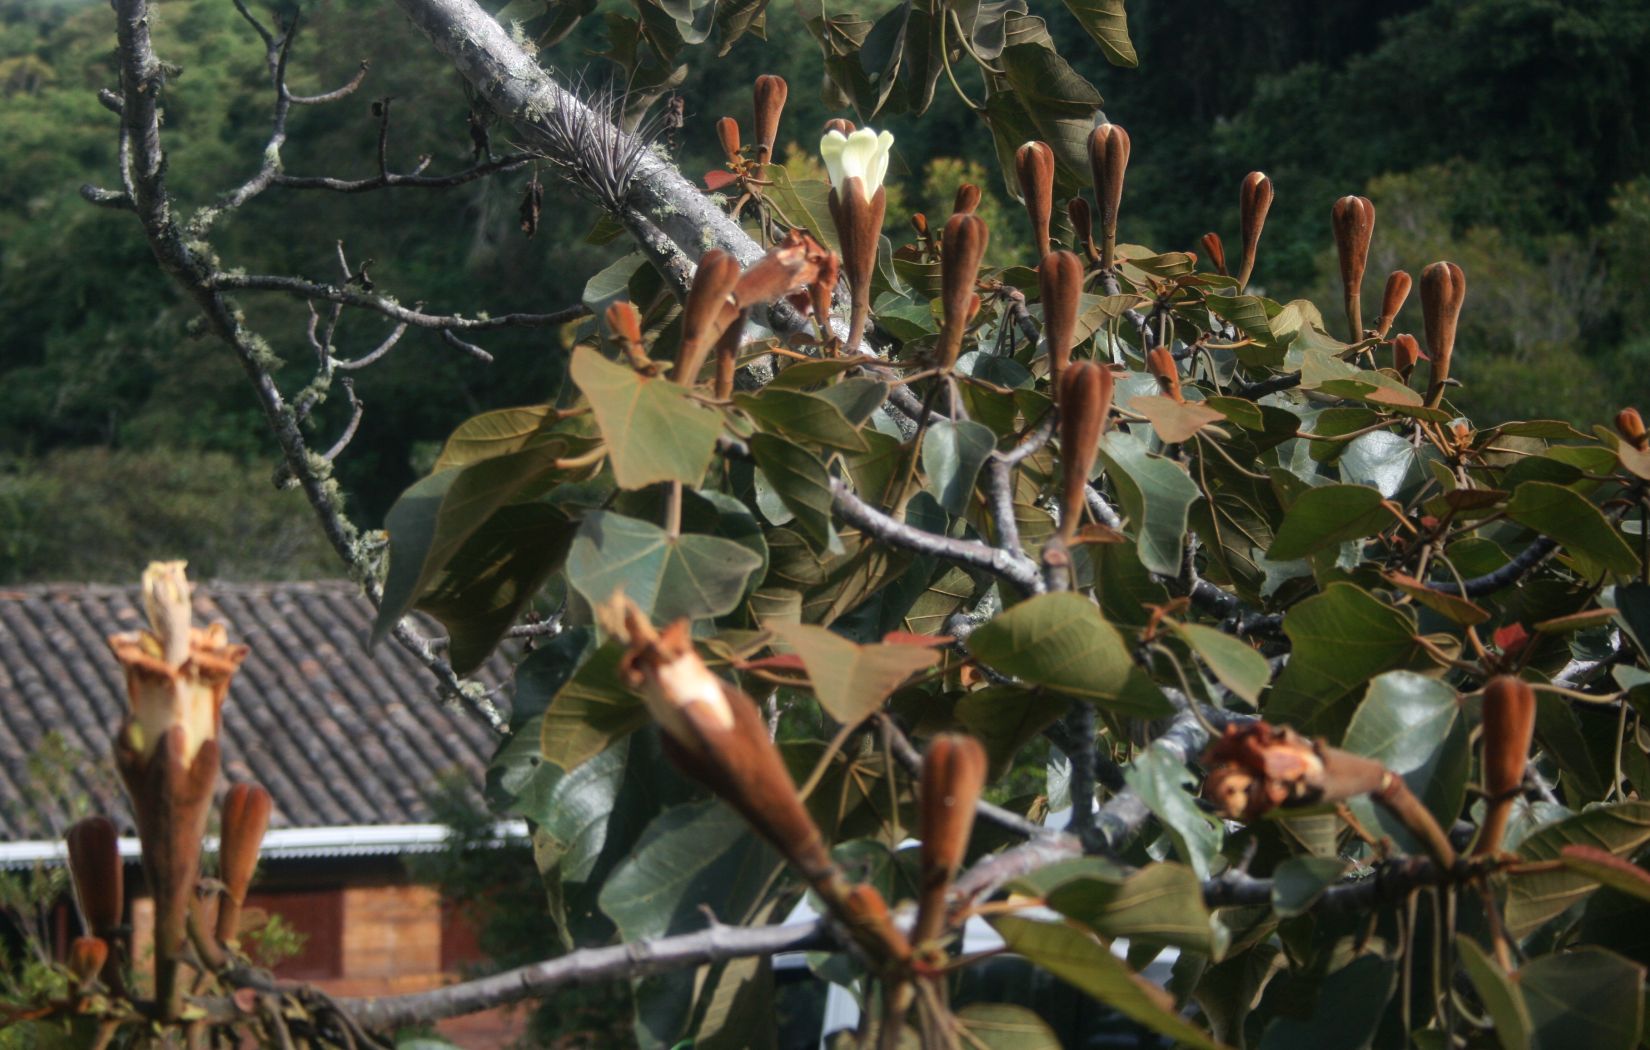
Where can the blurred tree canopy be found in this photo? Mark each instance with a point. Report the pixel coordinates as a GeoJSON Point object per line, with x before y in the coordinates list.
{"type": "Point", "coordinates": [1522, 125]}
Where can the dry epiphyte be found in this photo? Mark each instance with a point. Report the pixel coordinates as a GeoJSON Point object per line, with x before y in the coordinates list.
{"type": "Point", "coordinates": [727, 133]}
{"type": "Point", "coordinates": [1509, 726]}
{"type": "Point", "coordinates": [1108, 163]}
{"type": "Point", "coordinates": [953, 775]}
{"type": "Point", "coordinates": [856, 162]}
{"type": "Point", "coordinates": [1353, 218]}
{"type": "Point", "coordinates": [1216, 251]}
{"type": "Point", "coordinates": [1254, 201]}
{"type": "Point", "coordinates": [1082, 224]}
{"type": "Point", "coordinates": [967, 199]}
{"type": "Point", "coordinates": [1060, 277]}
{"type": "Point", "coordinates": [1443, 289]}
{"type": "Point", "coordinates": [1161, 363]}
{"type": "Point", "coordinates": [1405, 353]}
{"type": "Point", "coordinates": [770, 94]}
{"type": "Point", "coordinates": [166, 751]}
{"type": "Point", "coordinates": [706, 311]}
{"type": "Point", "coordinates": [1085, 403]}
{"type": "Point", "coordinates": [1392, 300]}
{"type": "Point", "coordinates": [1034, 164]}
{"type": "Point", "coordinates": [245, 818]}
{"type": "Point", "coordinates": [1631, 427]}
{"type": "Point", "coordinates": [1257, 767]}
{"type": "Point", "coordinates": [715, 734]}
{"type": "Point", "coordinates": [961, 252]}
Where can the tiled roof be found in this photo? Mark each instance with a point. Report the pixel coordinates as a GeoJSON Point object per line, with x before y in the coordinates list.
{"type": "Point", "coordinates": [339, 735]}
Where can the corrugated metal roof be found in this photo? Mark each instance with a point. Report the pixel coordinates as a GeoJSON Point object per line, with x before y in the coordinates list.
{"type": "Point", "coordinates": [340, 736]}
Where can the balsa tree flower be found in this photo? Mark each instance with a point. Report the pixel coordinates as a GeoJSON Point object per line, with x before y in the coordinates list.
{"type": "Point", "coordinates": [167, 750]}
{"type": "Point", "coordinates": [856, 164]}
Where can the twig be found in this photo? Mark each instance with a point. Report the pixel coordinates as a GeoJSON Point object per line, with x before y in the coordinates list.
{"type": "Point", "coordinates": [306, 289]}
{"type": "Point", "coordinates": [1011, 566]}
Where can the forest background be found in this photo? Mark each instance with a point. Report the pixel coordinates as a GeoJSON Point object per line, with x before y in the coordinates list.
{"type": "Point", "coordinates": [1512, 136]}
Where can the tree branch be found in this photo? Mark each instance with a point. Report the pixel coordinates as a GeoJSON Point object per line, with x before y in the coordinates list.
{"type": "Point", "coordinates": [330, 293]}
{"type": "Point", "coordinates": [1011, 566]}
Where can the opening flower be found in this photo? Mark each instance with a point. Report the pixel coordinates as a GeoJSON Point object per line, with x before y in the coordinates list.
{"type": "Point", "coordinates": [862, 155]}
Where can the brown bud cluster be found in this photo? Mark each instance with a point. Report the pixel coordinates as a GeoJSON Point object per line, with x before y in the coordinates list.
{"type": "Point", "coordinates": [1443, 289]}
{"type": "Point", "coordinates": [1108, 163]}
{"type": "Point", "coordinates": [1630, 425]}
{"type": "Point", "coordinates": [1034, 164]}
{"type": "Point", "coordinates": [1216, 251]}
{"type": "Point", "coordinates": [1392, 300]}
{"type": "Point", "coordinates": [1161, 363]}
{"type": "Point", "coordinates": [1254, 201]}
{"type": "Point", "coordinates": [961, 252]}
{"type": "Point", "coordinates": [1085, 396]}
{"type": "Point", "coordinates": [727, 133]}
{"type": "Point", "coordinates": [1509, 726]}
{"type": "Point", "coordinates": [1060, 278]}
{"type": "Point", "coordinates": [953, 775]}
{"type": "Point", "coordinates": [1353, 219]}
{"type": "Point", "coordinates": [1405, 353]}
{"type": "Point", "coordinates": [1257, 767]}
{"type": "Point", "coordinates": [771, 92]}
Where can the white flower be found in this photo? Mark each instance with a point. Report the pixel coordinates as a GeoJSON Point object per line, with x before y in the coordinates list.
{"type": "Point", "coordinates": [862, 155]}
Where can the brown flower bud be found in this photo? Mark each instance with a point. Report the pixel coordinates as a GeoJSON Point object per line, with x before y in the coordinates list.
{"type": "Point", "coordinates": [1254, 201]}
{"type": "Point", "coordinates": [1353, 219]}
{"type": "Point", "coordinates": [1509, 724]}
{"type": "Point", "coordinates": [705, 312]}
{"type": "Point", "coordinates": [1034, 164]}
{"type": "Point", "coordinates": [960, 254]}
{"type": "Point", "coordinates": [1108, 162]}
{"type": "Point", "coordinates": [95, 867]}
{"type": "Point", "coordinates": [771, 92]}
{"type": "Point", "coordinates": [1060, 276]}
{"type": "Point", "coordinates": [1443, 289]}
{"type": "Point", "coordinates": [727, 356]}
{"type": "Point", "coordinates": [792, 263]}
{"type": "Point", "coordinates": [823, 287]}
{"type": "Point", "coordinates": [1160, 363]}
{"type": "Point", "coordinates": [1085, 404]}
{"type": "Point", "coordinates": [859, 232]}
{"type": "Point", "coordinates": [245, 818]}
{"type": "Point", "coordinates": [87, 955]}
{"type": "Point", "coordinates": [839, 124]}
{"type": "Point", "coordinates": [953, 775]}
{"type": "Point", "coordinates": [967, 199]}
{"type": "Point", "coordinates": [624, 326]}
{"type": "Point", "coordinates": [1216, 251]}
{"type": "Point", "coordinates": [919, 222]}
{"type": "Point", "coordinates": [1082, 224]}
{"type": "Point", "coordinates": [1392, 300]}
{"type": "Point", "coordinates": [1405, 352]}
{"type": "Point", "coordinates": [1631, 427]}
{"type": "Point", "coordinates": [727, 133]}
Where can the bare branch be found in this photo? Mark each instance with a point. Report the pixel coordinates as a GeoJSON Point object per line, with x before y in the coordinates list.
{"type": "Point", "coordinates": [335, 94]}
{"type": "Point", "coordinates": [367, 358]}
{"type": "Point", "coordinates": [392, 180]}
{"type": "Point", "coordinates": [356, 410]}
{"type": "Point", "coordinates": [1012, 566]}
{"type": "Point", "coordinates": [306, 289]}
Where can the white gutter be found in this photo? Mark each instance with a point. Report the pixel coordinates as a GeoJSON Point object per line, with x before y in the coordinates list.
{"type": "Point", "coordinates": [355, 840]}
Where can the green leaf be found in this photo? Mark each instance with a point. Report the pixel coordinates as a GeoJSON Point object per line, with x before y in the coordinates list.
{"type": "Point", "coordinates": [1156, 495]}
{"type": "Point", "coordinates": [1059, 641]}
{"type": "Point", "coordinates": [1326, 516]}
{"type": "Point", "coordinates": [1623, 876]}
{"type": "Point", "coordinates": [952, 455]}
{"type": "Point", "coordinates": [433, 519]}
{"type": "Point", "coordinates": [1501, 997]}
{"type": "Point", "coordinates": [1161, 904]}
{"type": "Point", "coordinates": [1080, 960]}
{"type": "Point", "coordinates": [1532, 899]}
{"type": "Point", "coordinates": [1298, 882]}
{"type": "Point", "coordinates": [1000, 1026]}
{"type": "Point", "coordinates": [490, 434]}
{"type": "Point", "coordinates": [1587, 997]}
{"type": "Point", "coordinates": [853, 680]}
{"type": "Point", "coordinates": [805, 202]}
{"type": "Point", "coordinates": [590, 711]}
{"type": "Point", "coordinates": [1582, 529]}
{"type": "Point", "coordinates": [612, 284]}
{"type": "Point", "coordinates": [1160, 777]}
{"type": "Point", "coordinates": [1413, 725]}
{"type": "Point", "coordinates": [1345, 1011]}
{"type": "Point", "coordinates": [1108, 24]}
{"type": "Point", "coordinates": [801, 482]}
{"type": "Point", "coordinates": [803, 416]}
{"type": "Point", "coordinates": [667, 577]}
{"type": "Point", "coordinates": [654, 431]}
{"type": "Point", "coordinates": [1006, 719]}
{"type": "Point", "coordinates": [1340, 639]}
{"type": "Point", "coordinates": [1231, 660]}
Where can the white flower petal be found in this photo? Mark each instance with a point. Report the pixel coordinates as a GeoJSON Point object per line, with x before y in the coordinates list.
{"type": "Point", "coordinates": [830, 150]}
{"type": "Point", "coordinates": [879, 168]}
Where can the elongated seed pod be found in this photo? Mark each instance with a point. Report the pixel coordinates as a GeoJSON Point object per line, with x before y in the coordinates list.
{"type": "Point", "coordinates": [1034, 164]}
{"type": "Point", "coordinates": [771, 92]}
{"type": "Point", "coordinates": [705, 312]}
{"type": "Point", "coordinates": [1108, 162]}
{"type": "Point", "coordinates": [961, 252]}
{"type": "Point", "coordinates": [1509, 725]}
{"type": "Point", "coordinates": [1254, 201]}
{"type": "Point", "coordinates": [1082, 224]}
{"type": "Point", "coordinates": [953, 775]}
{"type": "Point", "coordinates": [727, 133]}
{"type": "Point", "coordinates": [1085, 404]}
{"type": "Point", "coordinates": [99, 878]}
{"type": "Point", "coordinates": [1353, 219]}
{"type": "Point", "coordinates": [1392, 300]}
{"type": "Point", "coordinates": [1631, 427]}
{"type": "Point", "coordinates": [1060, 278]}
{"type": "Point", "coordinates": [245, 818]}
{"type": "Point", "coordinates": [1443, 289]}
{"type": "Point", "coordinates": [1161, 363]}
{"type": "Point", "coordinates": [1405, 353]}
{"type": "Point", "coordinates": [1216, 251]}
